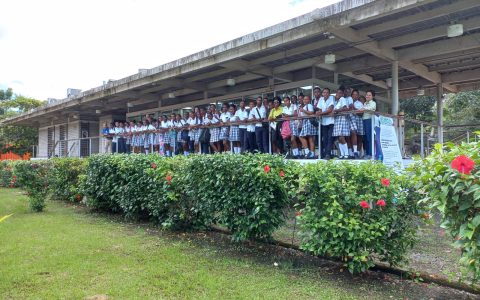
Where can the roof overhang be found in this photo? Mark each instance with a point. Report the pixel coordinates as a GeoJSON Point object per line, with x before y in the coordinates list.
{"type": "Point", "coordinates": [366, 36]}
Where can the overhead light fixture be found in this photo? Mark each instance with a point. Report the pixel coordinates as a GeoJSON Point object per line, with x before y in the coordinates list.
{"type": "Point", "coordinates": [171, 95]}
{"type": "Point", "coordinates": [455, 30]}
{"type": "Point", "coordinates": [129, 104]}
{"type": "Point", "coordinates": [230, 82]}
{"type": "Point", "coordinates": [420, 91]}
{"type": "Point", "coordinates": [98, 111]}
{"type": "Point", "coordinates": [329, 58]}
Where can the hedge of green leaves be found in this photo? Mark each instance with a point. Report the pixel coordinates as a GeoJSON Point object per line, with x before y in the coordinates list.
{"type": "Point", "coordinates": [7, 178]}
{"type": "Point", "coordinates": [248, 194]}
{"type": "Point", "coordinates": [34, 178]}
{"type": "Point", "coordinates": [64, 178]}
{"type": "Point", "coordinates": [448, 181]}
{"type": "Point", "coordinates": [357, 213]}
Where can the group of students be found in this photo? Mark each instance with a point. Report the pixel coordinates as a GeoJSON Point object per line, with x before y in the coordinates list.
{"type": "Point", "coordinates": [344, 120]}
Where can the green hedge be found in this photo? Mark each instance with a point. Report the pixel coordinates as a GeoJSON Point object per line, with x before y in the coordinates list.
{"type": "Point", "coordinates": [356, 212]}
{"type": "Point", "coordinates": [248, 194]}
{"type": "Point", "coordinates": [7, 178]}
{"type": "Point", "coordinates": [448, 182]}
{"type": "Point", "coordinates": [34, 176]}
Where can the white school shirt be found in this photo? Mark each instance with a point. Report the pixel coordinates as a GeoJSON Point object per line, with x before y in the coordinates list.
{"type": "Point", "coordinates": [150, 127]}
{"type": "Point", "coordinates": [342, 102]}
{"type": "Point", "coordinates": [315, 101]}
{"type": "Point", "coordinates": [288, 110]}
{"type": "Point", "coordinates": [358, 104]}
{"type": "Point", "coordinates": [323, 106]}
{"type": "Point", "coordinates": [234, 118]}
{"type": "Point", "coordinates": [114, 131]}
{"type": "Point", "coordinates": [164, 125]}
{"type": "Point", "coordinates": [307, 107]}
{"type": "Point", "coordinates": [242, 116]}
{"type": "Point", "coordinates": [251, 126]}
{"type": "Point", "coordinates": [349, 101]}
{"type": "Point", "coordinates": [225, 117]}
{"type": "Point", "coordinates": [259, 113]}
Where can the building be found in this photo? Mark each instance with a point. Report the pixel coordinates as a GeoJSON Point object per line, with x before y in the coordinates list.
{"type": "Point", "coordinates": [393, 46]}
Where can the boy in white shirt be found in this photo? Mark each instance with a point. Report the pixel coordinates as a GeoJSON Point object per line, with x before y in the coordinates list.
{"type": "Point", "coordinates": [325, 107]}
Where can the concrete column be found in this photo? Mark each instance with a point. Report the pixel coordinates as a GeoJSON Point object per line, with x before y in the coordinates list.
{"type": "Point", "coordinates": [395, 104]}
{"type": "Point", "coordinates": [335, 78]}
{"type": "Point", "coordinates": [440, 112]}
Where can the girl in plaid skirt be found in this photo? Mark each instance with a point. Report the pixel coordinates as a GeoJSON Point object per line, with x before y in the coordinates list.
{"type": "Point", "coordinates": [234, 134]}
{"type": "Point", "coordinates": [341, 127]}
{"type": "Point", "coordinates": [164, 134]}
{"type": "Point", "coordinates": [356, 133]}
{"type": "Point", "coordinates": [223, 136]}
{"type": "Point", "coordinates": [308, 132]}
{"type": "Point", "coordinates": [290, 110]}
{"type": "Point", "coordinates": [149, 137]}
{"type": "Point", "coordinates": [193, 133]}
{"type": "Point", "coordinates": [141, 136]}
{"type": "Point", "coordinates": [214, 131]}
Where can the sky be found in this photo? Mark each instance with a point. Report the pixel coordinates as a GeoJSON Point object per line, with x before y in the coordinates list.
{"type": "Point", "coordinates": [48, 46]}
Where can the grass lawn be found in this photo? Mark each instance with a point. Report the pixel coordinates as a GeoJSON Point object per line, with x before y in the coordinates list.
{"type": "Point", "coordinates": [67, 253]}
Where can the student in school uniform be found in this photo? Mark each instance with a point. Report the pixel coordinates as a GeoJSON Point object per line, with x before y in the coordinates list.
{"type": "Point", "coordinates": [276, 137]}
{"type": "Point", "coordinates": [107, 144]}
{"type": "Point", "coordinates": [223, 136]}
{"type": "Point", "coordinates": [341, 128]}
{"type": "Point", "coordinates": [308, 132]}
{"type": "Point", "coordinates": [212, 123]}
{"type": "Point", "coordinates": [259, 113]}
{"type": "Point", "coordinates": [356, 135]}
{"type": "Point", "coordinates": [141, 136]}
{"type": "Point", "coordinates": [325, 109]}
{"type": "Point", "coordinates": [113, 132]}
{"type": "Point", "coordinates": [347, 94]}
{"type": "Point", "coordinates": [369, 105]}
{"type": "Point", "coordinates": [151, 137]}
{"type": "Point", "coordinates": [242, 115]}
{"type": "Point", "coordinates": [251, 145]}
{"type": "Point", "coordinates": [172, 134]}
{"type": "Point", "coordinates": [128, 139]}
{"type": "Point", "coordinates": [122, 146]}
{"type": "Point", "coordinates": [288, 111]}
{"type": "Point", "coordinates": [193, 132]}
{"type": "Point", "coordinates": [165, 135]}
{"type": "Point", "coordinates": [234, 134]}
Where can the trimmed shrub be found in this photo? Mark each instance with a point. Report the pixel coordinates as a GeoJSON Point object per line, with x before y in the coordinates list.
{"type": "Point", "coordinates": [448, 181]}
{"type": "Point", "coordinates": [64, 178]}
{"type": "Point", "coordinates": [356, 212]}
{"type": "Point", "coordinates": [245, 193]}
{"type": "Point", "coordinates": [7, 178]}
{"type": "Point", "coordinates": [33, 176]}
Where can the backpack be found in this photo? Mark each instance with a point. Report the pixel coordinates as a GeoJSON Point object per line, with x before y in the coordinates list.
{"type": "Point", "coordinates": [285, 131]}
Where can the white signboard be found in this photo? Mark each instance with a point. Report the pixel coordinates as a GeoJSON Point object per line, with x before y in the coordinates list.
{"type": "Point", "coordinates": [388, 142]}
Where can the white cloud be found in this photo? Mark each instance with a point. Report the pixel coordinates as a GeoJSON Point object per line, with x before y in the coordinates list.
{"type": "Point", "coordinates": [48, 46]}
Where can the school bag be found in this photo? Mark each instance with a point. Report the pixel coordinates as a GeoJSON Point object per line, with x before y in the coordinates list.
{"type": "Point", "coordinates": [285, 131]}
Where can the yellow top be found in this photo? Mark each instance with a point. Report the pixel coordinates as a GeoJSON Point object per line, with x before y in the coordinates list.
{"type": "Point", "coordinates": [275, 112]}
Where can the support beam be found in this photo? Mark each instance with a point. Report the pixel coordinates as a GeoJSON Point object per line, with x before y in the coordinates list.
{"type": "Point", "coordinates": [395, 104]}
{"type": "Point", "coordinates": [440, 112]}
{"type": "Point", "coordinates": [364, 43]}
{"type": "Point", "coordinates": [466, 42]}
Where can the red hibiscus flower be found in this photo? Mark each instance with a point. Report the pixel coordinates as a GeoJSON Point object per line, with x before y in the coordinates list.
{"type": "Point", "coordinates": [266, 169]}
{"type": "Point", "coordinates": [169, 178]}
{"type": "Point", "coordinates": [385, 181]}
{"type": "Point", "coordinates": [381, 203]}
{"type": "Point", "coordinates": [282, 174]}
{"type": "Point", "coordinates": [364, 204]}
{"type": "Point", "coordinates": [78, 197]}
{"type": "Point", "coordinates": [298, 213]}
{"type": "Point", "coordinates": [463, 164]}
{"type": "Point", "coordinates": [154, 166]}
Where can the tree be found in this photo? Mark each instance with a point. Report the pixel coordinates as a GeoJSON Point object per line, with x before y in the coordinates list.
{"type": "Point", "coordinates": [462, 108]}
{"type": "Point", "coordinates": [18, 139]}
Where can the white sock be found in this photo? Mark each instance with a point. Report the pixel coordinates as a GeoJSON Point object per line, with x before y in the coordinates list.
{"type": "Point", "coordinates": [306, 151]}
{"type": "Point", "coordinates": [355, 148]}
{"type": "Point", "coordinates": [345, 149]}
{"type": "Point", "coordinates": [350, 152]}
{"type": "Point", "coordinates": [168, 152]}
{"type": "Point", "coordinates": [146, 151]}
{"type": "Point", "coordinates": [295, 151]}
{"type": "Point", "coordinates": [342, 151]}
